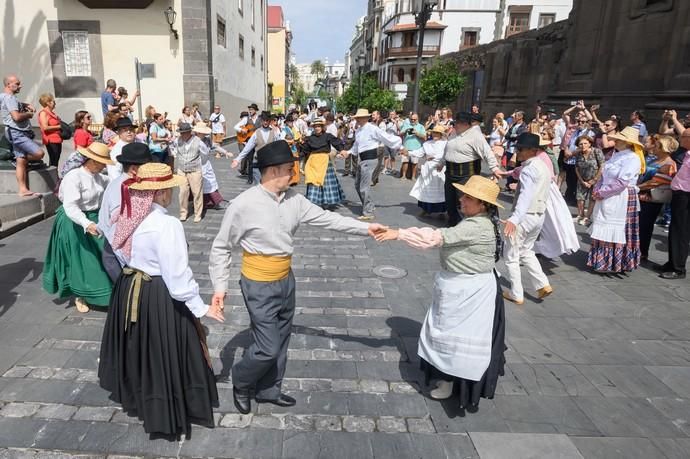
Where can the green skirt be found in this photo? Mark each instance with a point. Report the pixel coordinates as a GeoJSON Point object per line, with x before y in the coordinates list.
{"type": "Point", "coordinates": [73, 264]}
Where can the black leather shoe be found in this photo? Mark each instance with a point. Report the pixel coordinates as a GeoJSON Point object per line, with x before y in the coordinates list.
{"type": "Point", "coordinates": [672, 275]}
{"type": "Point", "coordinates": [282, 400]}
{"type": "Point", "coordinates": [242, 400]}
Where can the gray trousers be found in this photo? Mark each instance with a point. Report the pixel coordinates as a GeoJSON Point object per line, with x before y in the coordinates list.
{"type": "Point", "coordinates": [380, 151]}
{"type": "Point", "coordinates": [271, 307]}
{"type": "Point", "coordinates": [365, 172]}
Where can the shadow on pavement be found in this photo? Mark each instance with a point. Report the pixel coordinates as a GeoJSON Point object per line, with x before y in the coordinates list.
{"type": "Point", "coordinates": [13, 274]}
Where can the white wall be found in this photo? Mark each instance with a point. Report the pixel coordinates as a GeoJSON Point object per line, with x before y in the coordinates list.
{"type": "Point", "coordinates": [561, 8]}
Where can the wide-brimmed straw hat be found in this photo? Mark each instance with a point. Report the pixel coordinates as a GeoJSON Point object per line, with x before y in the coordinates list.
{"type": "Point", "coordinates": [362, 113]}
{"type": "Point", "coordinates": [318, 121]}
{"type": "Point", "coordinates": [439, 129]}
{"type": "Point", "coordinates": [481, 188]}
{"type": "Point", "coordinates": [155, 176]}
{"type": "Point", "coordinates": [97, 151]}
{"type": "Point", "coordinates": [629, 135]}
{"type": "Point", "coordinates": [201, 128]}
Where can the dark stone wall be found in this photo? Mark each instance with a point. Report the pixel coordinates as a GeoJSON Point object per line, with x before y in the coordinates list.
{"type": "Point", "coordinates": [624, 55]}
{"type": "Point", "coordinates": [197, 79]}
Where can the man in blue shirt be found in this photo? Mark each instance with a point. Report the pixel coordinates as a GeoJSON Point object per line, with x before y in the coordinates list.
{"type": "Point", "coordinates": [414, 135]}
{"type": "Point", "coordinates": [637, 120]}
{"type": "Point", "coordinates": [108, 97]}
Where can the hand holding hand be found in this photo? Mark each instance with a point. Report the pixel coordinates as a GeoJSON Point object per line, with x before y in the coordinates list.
{"type": "Point", "coordinates": [235, 164]}
{"type": "Point", "coordinates": [376, 228]}
{"type": "Point", "coordinates": [510, 228]}
{"type": "Point", "coordinates": [216, 313]}
{"type": "Point", "coordinates": [388, 235]}
{"type": "Point", "coordinates": [93, 230]}
{"type": "Point", "coordinates": [500, 173]}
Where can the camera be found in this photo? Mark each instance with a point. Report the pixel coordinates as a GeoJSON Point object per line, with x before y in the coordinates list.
{"type": "Point", "coordinates": [410, 131]}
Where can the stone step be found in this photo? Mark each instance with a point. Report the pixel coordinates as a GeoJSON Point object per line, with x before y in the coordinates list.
{"type": "Point", "coordinates": [40, 180]}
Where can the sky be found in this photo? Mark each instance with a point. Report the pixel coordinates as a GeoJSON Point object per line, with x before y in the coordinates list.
{"type": "Point", "coordinates": [321, 28]}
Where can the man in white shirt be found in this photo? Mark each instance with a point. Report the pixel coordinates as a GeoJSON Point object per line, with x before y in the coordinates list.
{"type": "Point", "coordinates": [259, 139]}
{"type": "Point", "coordinates": [377, 120]}
{"type": "Point", "coordinates": [524, 225]}
{"type": "Point", "coordinates": [133, 155]}
{"type": "Point", "coordinates": [218, 126]}
{"type": "Point", "coordinates": [125, 132]}
{"type": "Point", "coordinates": [366, 146]}
{"type": "Point", "coordinates": [393, 128]}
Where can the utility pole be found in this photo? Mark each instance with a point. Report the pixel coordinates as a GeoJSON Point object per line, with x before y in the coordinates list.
{"type": "Point", "coordinates": [421, 19]}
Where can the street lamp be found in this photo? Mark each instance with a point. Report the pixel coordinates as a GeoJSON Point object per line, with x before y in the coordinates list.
{"type": "Point", "coordinates": [170, 16]}
{"type": "Point", "coordinates": [360, 64]}
{"type": "Point", "coordinates": [421, 19]}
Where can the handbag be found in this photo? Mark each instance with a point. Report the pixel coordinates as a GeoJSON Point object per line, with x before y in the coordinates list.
{"type": "Point", "coordinates": [661, 194]}
{"type": "Point", "coordinates": [66, 131]}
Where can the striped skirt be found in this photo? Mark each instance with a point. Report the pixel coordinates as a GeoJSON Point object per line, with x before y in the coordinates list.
{"type": "Point", "coordinates": [616, 258]}
{"type": "Point", "coordinates": [330, 194]}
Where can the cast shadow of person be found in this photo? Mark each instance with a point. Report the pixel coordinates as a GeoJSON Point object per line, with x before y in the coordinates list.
{"type": "Point", "coordinates": [14, 274]}
{"type": "Point", "coordinates": [404, 335]}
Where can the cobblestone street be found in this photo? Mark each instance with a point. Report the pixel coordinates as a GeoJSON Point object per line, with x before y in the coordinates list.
{"type": "Point", "coordinates": [599, 370]}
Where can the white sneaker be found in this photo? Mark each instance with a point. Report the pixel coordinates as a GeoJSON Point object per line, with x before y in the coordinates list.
{"type": "Point", "coordinates": [444, 389]}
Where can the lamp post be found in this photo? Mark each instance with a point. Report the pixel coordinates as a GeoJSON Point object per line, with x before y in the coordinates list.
{"type": "Point", "coordinates": [170, 15]}
{"type": "Point", "coordinates": [360, 64]}
{"type": "Point", "coordinates": [421, 19]}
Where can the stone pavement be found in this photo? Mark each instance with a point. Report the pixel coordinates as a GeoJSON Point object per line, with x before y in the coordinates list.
{"type": "Point", "coordinates": [600, 369]}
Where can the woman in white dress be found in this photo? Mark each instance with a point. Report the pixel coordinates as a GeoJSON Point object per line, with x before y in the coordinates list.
{"type": "Point", "coordinates": [428, 190]}
{"type": "Point", "coordinates": [209, 185]}
{"type": "Point", "coordinates": [462, 337]}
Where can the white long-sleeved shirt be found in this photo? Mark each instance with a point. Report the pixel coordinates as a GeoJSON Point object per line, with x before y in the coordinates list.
{"type": "Point", "coordinates": [470, 146]}
{"type": "Point", "coordinates": [369, 136]}
{"type": "Point", "coordinates": [243, 122]}
{"type": "Point", "coordinates": [159, 248]}
{"type": "Point", "coordinates": [533, 190]}
{"type": "Point", "coordinates": [251, 143]}
{"type": "Point", "coordinates": [110, 203]}
{"type": "Point", "coordinates": [80, 190]}
{"type": "Point", "coordinates": [115, 170]}
{"type": "Point", "coordinates": [262, 222]}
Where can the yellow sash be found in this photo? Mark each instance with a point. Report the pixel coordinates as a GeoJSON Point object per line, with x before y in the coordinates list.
{"type": "Point", "coordinates": [315, 169]}
{"type": "Point", "coordinates": [265, 268]}
{"type": "Point", "coordinates": [639, 151]}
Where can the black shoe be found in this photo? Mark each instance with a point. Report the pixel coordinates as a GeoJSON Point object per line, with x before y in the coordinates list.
{"type": "Point", "coordinates": [666, 267]}
{"type": "Point", "coordinates": [242, 400]}
{"type": "Point", "coordinates": [282, 400]}
{"type": "Point", "coordinates": [250, 182]}
{"type": "Point", "coordinates": [672, 275]}
{"type": "Point", "coordinates": [344, 174]}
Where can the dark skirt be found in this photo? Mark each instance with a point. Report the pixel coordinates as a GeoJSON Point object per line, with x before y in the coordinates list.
{"type": "Point", "coordinates": [432, 207]}
{"type": "Point", "coordinates": [469, 392]}
{"type": "Point", "coordinates": [612, 257]}
{"type": "Point", "coordinates": [330, 194]}
{"type": "Point", "coordinates": [73, 265]}
{"type": "Point", "coordinates": [157, 368]}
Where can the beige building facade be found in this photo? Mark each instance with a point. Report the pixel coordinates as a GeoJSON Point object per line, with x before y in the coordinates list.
{"type": "Point", "coordinates": [279, 42]}
{"type": "Point", "coordinates": [215, 54]}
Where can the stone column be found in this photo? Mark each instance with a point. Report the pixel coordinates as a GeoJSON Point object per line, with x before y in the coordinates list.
{"type": "Point", "coordinates": [197, 54]}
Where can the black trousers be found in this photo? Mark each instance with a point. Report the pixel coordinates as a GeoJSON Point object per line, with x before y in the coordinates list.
{"type": "Point", "coordinates": [649, 211]}
{"type": "Point", "coordinates": [679, 231]}
{"type": "Point", "coordinates": [110, 262]}
{"type": "Point", "coordinates": [54, 152]}
{"type": "Point", "coordinates": [458, 173]}
{"type": "Point", "coordinates": [570, 183]}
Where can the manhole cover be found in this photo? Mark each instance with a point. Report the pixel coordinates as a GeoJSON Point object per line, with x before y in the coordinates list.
{"type": "Point", "coordinates": [390, 272]}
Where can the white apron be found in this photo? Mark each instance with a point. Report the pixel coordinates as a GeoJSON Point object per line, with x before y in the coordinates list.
{"type": "Point", "coordinates": [209, 182]}
{"type": "Point", "coordinates": [457, 330]}
{"type": "Point", "coordinates": [429, 186]}
{"type": "Point", "coordinates": [608, 218]}
{"type": "Point", "coordinates": [558, 235]}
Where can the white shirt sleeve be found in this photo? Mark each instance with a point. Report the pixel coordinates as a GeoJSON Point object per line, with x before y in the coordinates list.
{"type": "Point", "coordinates": [528, 184]}
{"type": "Point", "coordinates": [71, 197]}
{"type": "Point", "coordinates": [389, 140]}
{"type": "Point", "coordinates": [241, 124]}
{"type": "Point", "coordinates": [251, 143]}
{"type": "Point", "coordinates": [175, 270]}
{"type": "Point", "coordinates": [484, 150]}
{"type": "Point", "coordinates": [221, 249]}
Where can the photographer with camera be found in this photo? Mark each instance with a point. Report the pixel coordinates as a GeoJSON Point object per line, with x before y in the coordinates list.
{"type": "Point", "coordinates": [16, 117]}
{"type": "Point", "coordinates": [414, 135]}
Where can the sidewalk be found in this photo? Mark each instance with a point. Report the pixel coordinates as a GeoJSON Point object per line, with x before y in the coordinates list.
{"type": "Point", "coordinates": [598, 370]}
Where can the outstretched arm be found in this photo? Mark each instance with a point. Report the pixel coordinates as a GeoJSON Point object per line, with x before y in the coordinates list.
{"type": "Point", "coordinates": [418, 238]}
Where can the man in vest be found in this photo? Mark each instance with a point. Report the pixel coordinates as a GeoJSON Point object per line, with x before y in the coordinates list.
{"type": "Point", "coordinates": [261, 137]}
{"type": "Point", "coordinates": [524, 225]}
{"type": "Point", "coordinates": [244, 129]}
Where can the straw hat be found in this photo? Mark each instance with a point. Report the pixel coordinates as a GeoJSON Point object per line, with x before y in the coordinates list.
{"type": "Point", "coordinates": [156, 176]}
{"type": "Point", "coordinates": [481, 188]}
{"type": "Point", "coordinates": [628, 135]}
{"type": "Point", "coordinates": [97, 151]}
{"type": "Point", "coordinates": [439, 129]}
{"type": "Point", "coordinates": [318, 121]}
{"type": "Point", "coordinates": [201, 128]}
{"type": "Point", "coordinates": [362, 113]}
{"type": "Point", "coordinates": [544, 142]}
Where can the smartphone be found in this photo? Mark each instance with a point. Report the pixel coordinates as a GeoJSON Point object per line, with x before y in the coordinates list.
{"type": "Point", "coordinates": [573, 103]}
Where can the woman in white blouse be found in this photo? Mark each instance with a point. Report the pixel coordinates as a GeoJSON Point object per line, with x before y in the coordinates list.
{"type": "Point", "coordinates": [154, 359]}
{"type": "Point", "coordinates": [73, 261]}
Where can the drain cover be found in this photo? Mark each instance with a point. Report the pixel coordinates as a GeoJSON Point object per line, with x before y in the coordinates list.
{"type": "Point", "coordinates": [389, 272]}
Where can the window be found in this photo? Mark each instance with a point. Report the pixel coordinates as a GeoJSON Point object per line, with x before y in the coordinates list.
{"type": "Point", "coordinates": [408, 39]}
{"type": "Point", "coordinates": [253, 13]}
{"type": "Point", "coordinates": [401, 76]}
{"type": "Point", "coordinates": [240, 7]}
{"type": "Point", "coordinates": [519, 22]}
{"type": "Point", "coordinates": [469, 39]}
{"type": "Point", "coordinates": [262, 63]}
{"type": "Point", "coordinates": [253, 57]}
{"type": "Point", "coordinates": [546, 19]}
{"type": "Point", "coordinates": [241, 47]}
{"type": "Point", "coordinates": [220, 32]}
{"type": "Point", "coordinates": [413, 74]}
{"type": "Point", "coordinates": [76, 52]}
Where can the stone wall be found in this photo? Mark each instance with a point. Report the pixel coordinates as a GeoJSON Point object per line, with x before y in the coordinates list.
{"type": "Point", "coordinates": [624, 55]}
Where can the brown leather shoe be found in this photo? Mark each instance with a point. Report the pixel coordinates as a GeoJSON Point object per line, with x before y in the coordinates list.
{"type": "Point", "coordinates": [544, 292]}
{"type": "Point", "coordinates": [507, 296]}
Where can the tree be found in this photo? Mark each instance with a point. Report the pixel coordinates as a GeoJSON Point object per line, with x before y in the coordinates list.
{"type": "Point", "coordinates": [441, 84]}
{"type": "Point", "coordinates": [293, 75]}
{"type": "Point", "coordinates": [372, 96]}
{"type": "Point", "coordinates": [318, 69]}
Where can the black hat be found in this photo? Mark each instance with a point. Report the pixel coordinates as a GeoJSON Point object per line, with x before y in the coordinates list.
{"type": "Point", "coordinates": [254, 106]}
{"type": "Point", "coordinates": [275, 154]}
{"type": "Point", "coordinates": [463, 117]}
{"type": "Point", "coordinates": [527, 140]}
{"type": "Point", "coordinates": [124, 122]}
{"type": "Point", "coordinates": [477, 117]}
{"type": "Point", "coordinates": [243, 114]}
{"type": "Point", "coordinates": [184, 127]}
{"type": "Point", "coordinates": [135, 153]}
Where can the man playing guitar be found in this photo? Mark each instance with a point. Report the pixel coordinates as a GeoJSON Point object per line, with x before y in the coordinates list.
{"type": "Point", "coordinates": [244, 130]}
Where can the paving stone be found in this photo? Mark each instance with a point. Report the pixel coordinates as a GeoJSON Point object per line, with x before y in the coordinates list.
{"type": "Point", "coordinates": [420, 425]}
{"type": "Point", "coordinates": [549, 379]}
{"type": "Point", "coordinates": [94, 413]}
{"type": "Point", "coordinates": [458, 446]}
{"type": "Point", "coordinates": [236, 420]}
{"type": "Point", "coordinates": [677, 410]}
{"type": "Point", "coordinates": [19, 410]}
{"type": "Point", "coordinates": [673, 448]}
{"type": "Point", "coordinates": [502, 445]}
{"type": "Point", "coordinates": [41, 373]}
{"type": "Point", "coordinates": [391, 424]}
{"type": "Point", "coordinates": [299, 423]}
{"type": "Point", "coordinates": [358, 424]}
{"type": "Point", "coordinates": [619, 381]}
{"type": "Point", "coordinates": [66, 374]}
{"type": "Point", "coordinates": [373, 386]}
{"type": "Point", "coordinates": [674, 377]}
{"type": "Point", "coordinates": [329, 423]}
{"type": "Point", "coordinates": [401, 445]}
{"type": "Point", "coordinates": [344, 385]}
{"type": "Point", "coordinates": [616, 448]}
{"type": "Point", "coordinates": [17, 372]}
{"type": "Point", "coordinates": [267, 422]}
{"type": "Point", "coordinates": [56, 411]}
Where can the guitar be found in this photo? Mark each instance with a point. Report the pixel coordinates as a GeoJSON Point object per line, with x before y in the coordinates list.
{"type": "Point", "coordinates": [245, 133]}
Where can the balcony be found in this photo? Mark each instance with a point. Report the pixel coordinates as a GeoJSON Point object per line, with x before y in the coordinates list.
{"type": "Point", "coordinates": [136, 4]}
{"type": "Point", "coordinates": [411, 51]}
